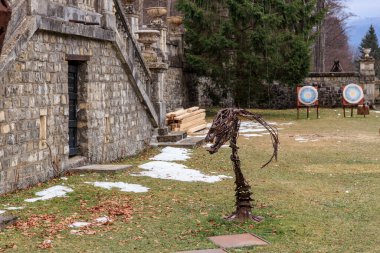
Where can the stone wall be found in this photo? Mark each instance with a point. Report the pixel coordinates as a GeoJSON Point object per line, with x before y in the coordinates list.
{"type": "Point", "coordinates": [113, 123]}
{"type": "Point", "coordinates": [330, 86]}
{"type": "Point", "coordinates": [175, 91]}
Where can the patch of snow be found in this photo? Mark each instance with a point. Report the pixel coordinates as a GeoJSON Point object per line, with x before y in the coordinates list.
{"type": "Point", "coordinates": [252, 130]}
{"type": "Point", "coordinates": [14, 208]}
{"type": "Point", "coordinates": [52, 192]}
{"type": "Point", "coordinates": [2, 211]}
{"type": "Point", "coordinates": [347, 191]}
{"type": "Point", "coordinates": [376, 111]}
{"type": "Point", "coordinates": [79, 224]}
{"type": "Point", "coordinates": [301, 139]}
{"type": "Point", "coordinates": [251, 135]}
{"type": "Point", "coordinates": [103, 220]}
{"type": "Point", "coordinates": [172, 154]}
{"type": "Point", "coordinates": [281, 124]}
{"type": "Point", "coordinates": [210, 144]}
{"type": "Point", "coordinates": [64, 178]}
{"type": "Point", "coordinates": [124, 187]}
{"type": "Point", "coordinates": [175, 171]}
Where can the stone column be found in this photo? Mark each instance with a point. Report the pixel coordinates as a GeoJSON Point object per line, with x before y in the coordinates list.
{"type": "Point", "coordinates": [158, 70]}
{"type": "Point", "coordinates": [368, 76]}
{"type": "Point", "coordinates": [108, 20]}
{"type": "Point", "coordinates": [157, 67]}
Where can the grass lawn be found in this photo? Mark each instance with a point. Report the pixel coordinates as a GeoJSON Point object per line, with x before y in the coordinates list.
{"type": "Point", "coordinates": [321, 196]}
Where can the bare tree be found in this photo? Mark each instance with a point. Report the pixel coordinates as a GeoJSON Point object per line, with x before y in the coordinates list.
{"type": "Point", "coordinates": [332, 41]}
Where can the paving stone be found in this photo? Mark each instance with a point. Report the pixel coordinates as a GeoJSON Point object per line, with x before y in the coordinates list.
{"type": "Point", "coordinates": [204, 251]}
{"type": "Point", "coordinates": [236, 241]}
{"type": "Point", "coordinates": [101, 168]}
{"type": "Point", "coordinates": [7, 220]}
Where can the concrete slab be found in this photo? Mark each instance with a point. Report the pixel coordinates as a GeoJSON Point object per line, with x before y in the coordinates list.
{"type": "Point", "coordinates": [237, 241]}
{"type": "Point", "coordinates": [101, 168]}
{"type": "Point", "coordinates": [7, 220]}
{"type": "Point", "coordinates": [189, 142]}
{"type": "Point", "coordinates": [204, 251]}
{"type": "Point", "coordinates": [172, 137]}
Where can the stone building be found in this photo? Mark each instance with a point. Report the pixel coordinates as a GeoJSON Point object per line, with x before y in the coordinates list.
{"type": "Point", "coordinates": [82, 81]}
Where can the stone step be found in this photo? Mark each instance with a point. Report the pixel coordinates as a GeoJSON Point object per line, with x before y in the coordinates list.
{"type": "Point", "coordinates": [101, 168]}
{"type": "Point", "coordinates": [189, 142]}
{"type": "Point", "coordinates": [74, 162]}
{"type": "Point", "coordinates": [172, 137]}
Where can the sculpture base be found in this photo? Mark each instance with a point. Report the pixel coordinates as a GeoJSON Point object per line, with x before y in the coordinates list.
{"type": "Point", "coordinates": [244, 214]}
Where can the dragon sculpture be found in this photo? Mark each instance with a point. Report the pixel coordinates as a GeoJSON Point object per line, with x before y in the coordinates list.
{"type": "Point", "coordinates": [225, 127]}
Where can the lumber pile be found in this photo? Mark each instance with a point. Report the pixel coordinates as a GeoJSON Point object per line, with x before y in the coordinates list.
{"type": "Point", "coordinates": [190, 120]}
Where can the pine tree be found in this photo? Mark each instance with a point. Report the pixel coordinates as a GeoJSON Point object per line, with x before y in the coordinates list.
{"type": "Point", "coordinates": [370, 40]}
{"type": "Point", "coordinates": [244, 44]}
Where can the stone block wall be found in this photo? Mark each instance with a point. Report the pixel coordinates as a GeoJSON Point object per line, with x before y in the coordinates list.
{"type": "Point", "coordinates": [112, 121]}
{"type": "Point", "coordinates": [175, 91]}
{"type": "Point", "coordinates": [330, 86]}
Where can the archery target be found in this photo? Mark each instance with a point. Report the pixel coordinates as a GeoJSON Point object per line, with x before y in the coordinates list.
{"type": "Point", "coordinates": [353, 93]}
{"type": "Point", "coordinates": [308, 95]}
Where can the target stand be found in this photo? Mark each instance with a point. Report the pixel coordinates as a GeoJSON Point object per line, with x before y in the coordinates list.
{"type": "Point", "coordinates": [307, 96]}
{"type": "Point", "coordinates": [353, 97]}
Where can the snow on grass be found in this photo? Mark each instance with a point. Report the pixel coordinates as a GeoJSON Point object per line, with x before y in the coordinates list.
{"type": "Point", "coordinates": [175, 171]}
{"type": "Point", "coordinates": [376, 111]}
{"type": "Point", "coordinates": [79, 224]}
{"type": "Point", "coordinates": [253, 127]}
{"type": "Point", "coordinates": [103, 220]}
{"type": "Point", "coordinates": [52, 192]}
{"type": "Point", "coordinates": [302, 139]}
{"type": "Point", "coordinates": [251, 135]}
{"type": "Point", "coordinates": [210, 144]}
{"type": "Point", "coordinates": [11, 208]}
{"type": "Point", "coordinates": [252, 130]}
{"type": "Point", "coordinates": [172, 154]}
{"type": "Point", "coordinates": [124, 187]}
{"type": "Point", "coordinates": [2, 211]}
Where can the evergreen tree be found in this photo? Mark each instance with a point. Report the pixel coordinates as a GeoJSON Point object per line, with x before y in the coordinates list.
{"type": "Point", "coordinates": [244, 44]}
{"type": "Point", "coordinates": [370, 41]}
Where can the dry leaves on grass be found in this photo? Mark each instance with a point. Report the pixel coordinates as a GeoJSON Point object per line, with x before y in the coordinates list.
{"type": "Point", "coordinates": [116, 207]}
{"type": "Point", "coordinates": [46, 222]}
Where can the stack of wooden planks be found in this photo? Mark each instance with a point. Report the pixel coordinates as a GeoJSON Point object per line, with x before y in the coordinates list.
{"type": "Point", "coordinates": [190, 120]}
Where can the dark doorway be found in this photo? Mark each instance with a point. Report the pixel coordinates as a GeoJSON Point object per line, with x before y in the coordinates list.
{"type": "Point", "coordinates": [73, 105]}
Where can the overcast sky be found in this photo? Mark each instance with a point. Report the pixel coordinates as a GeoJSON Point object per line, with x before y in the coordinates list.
{"type": "Point", "coordinates": [364, 8]}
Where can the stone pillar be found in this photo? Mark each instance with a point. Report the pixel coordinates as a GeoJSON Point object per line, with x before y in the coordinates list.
{"type": "Point", "coordinates": [158, 70]}
{"type": "Point", "coordinates": [162, 42]}
{"type": "Point", "coordinates": [368, 76]}
{"type": "Point", "coordinates": [133, 21]}
{"type": "Point", "coordinates": [108, 20]}
{"type": "Point", "coordinates": [157, 67]}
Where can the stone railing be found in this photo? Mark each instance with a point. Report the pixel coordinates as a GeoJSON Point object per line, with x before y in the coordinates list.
{"type": "Point", "coordinates": [88, 5]}
{"type": "Point", "coordinates": [140, 70]}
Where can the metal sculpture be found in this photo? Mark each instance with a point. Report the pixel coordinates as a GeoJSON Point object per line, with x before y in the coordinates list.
{"type": "Point", "coordinates": [225, 127]}
{"type": "Point", "coordinates": [336, 67]}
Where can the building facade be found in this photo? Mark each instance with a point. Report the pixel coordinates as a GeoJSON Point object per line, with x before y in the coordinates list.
{"type": "Point", "coordinates": [79, 85]}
